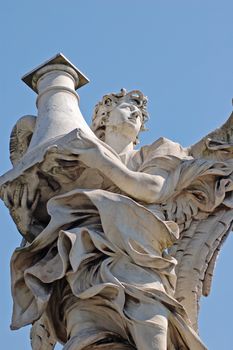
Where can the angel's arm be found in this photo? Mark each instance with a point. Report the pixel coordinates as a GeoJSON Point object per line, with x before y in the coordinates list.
{"type": "Point", "coordinates": [141, 186]}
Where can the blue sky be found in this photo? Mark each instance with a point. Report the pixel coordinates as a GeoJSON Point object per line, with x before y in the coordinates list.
{"type": "Point", "coordinates": [178, 52]}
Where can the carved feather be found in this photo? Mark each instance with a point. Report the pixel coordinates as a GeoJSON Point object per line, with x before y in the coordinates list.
{"type": "Point", "coordinates": [20, 137]}
{"type": "Point", "coordinates": [203, 235]}
{"type": "Point", "coordinates": [196, 252]}
{"type": "Point", "coordinates": [216, 145]}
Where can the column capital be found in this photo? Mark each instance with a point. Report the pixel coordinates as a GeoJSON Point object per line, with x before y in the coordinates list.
{"type": "Point", "coordinates": [31, 78]}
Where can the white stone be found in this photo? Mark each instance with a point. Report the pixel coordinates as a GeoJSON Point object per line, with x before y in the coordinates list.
{"type": "Point", "coordinates": [119, 244]}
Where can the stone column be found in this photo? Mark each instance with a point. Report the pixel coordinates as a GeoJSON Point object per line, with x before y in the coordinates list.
{"type": "Point", "coordinates": [57, 102]}
{"type": "Point", "coordinates": [55, 82]}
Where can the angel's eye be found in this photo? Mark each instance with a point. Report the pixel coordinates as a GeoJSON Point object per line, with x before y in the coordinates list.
{"type": "Point", "coordinates": [125, 106]}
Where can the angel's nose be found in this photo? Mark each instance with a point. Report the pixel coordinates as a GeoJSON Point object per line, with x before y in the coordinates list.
{"type": "Point", "coordinates": [133, 108]}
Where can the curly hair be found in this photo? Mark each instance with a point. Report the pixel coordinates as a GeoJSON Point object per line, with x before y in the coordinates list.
{"type": "Point", "coordinates": [108, 102]}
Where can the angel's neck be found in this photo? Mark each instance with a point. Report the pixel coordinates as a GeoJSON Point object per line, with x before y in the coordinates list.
{"type": "Point", "coordinates": [120, 143]}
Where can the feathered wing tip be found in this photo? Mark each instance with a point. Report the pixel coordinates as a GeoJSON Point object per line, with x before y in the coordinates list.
{"type": "Point", "coordinates": [220, 139]}
{"type": "Point", "coordinates": [203, 208]}
{"type": "Point", "coordinates": [196, 252]}
{"type": "Point", "coordinates": [20, 137]}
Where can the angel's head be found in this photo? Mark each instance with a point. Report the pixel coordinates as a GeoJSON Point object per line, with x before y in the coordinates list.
{"type": "Point", "coordinates": [124, 113]}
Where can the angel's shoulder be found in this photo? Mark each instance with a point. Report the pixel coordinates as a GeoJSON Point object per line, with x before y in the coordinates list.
{"type": "Point", "coordinates": [162, 153]}
{"type": "Point", "coordinates": [164, 147]}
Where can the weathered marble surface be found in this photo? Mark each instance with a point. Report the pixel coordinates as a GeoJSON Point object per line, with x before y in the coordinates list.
{"type": "Point", "coordinates": [119, 244]}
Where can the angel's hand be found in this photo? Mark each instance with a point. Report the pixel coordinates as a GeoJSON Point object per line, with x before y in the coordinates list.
{"type": "Point", "coordinates": [91, 157]}
{"type": "Point", "coordinates": [91, 151]}
{"type": "Point", "coordinates": [22, 208]}
{"type": "Point", "coordinates": [97, 155]}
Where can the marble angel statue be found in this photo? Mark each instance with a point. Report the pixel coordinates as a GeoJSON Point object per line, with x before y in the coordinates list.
{"type": "Point", "coordinates": [119, 243]}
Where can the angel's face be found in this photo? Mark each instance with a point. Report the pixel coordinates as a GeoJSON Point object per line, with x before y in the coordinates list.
{"type": "Point", "coordinates": [125, 118]}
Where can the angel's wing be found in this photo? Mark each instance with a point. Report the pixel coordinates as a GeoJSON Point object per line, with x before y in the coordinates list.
{"type": "Point", "coordinates": [203, 208]}
{"type": "Point", "coordinates": [216, 145]}
{"type": "Point", "coordinates": [196, 252]}
{"type": "Point", "coordinates": [20, 138]}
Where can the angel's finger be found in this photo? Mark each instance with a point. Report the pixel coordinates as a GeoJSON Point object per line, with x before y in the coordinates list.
{"type": "Point", "coordinates": [17, 195]}
{"type": "Point", "coordinates": [36, 200]}
{"type": "Point", "coordinates": [6, 199]}
{"type": "Point", "coordinates": [70, 157]}
{"type": "Point", "coordinates": [67, 161]}
{"type": "Point", "coordinates": [32, 188]}
{"type": "Point", "coordinates": [24, 198]}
